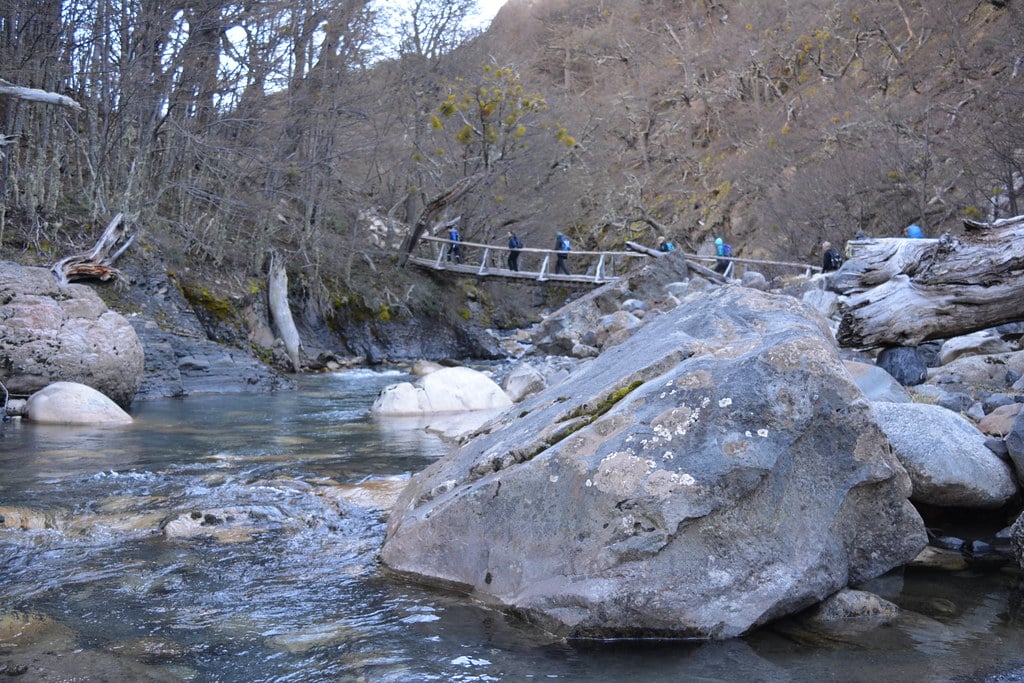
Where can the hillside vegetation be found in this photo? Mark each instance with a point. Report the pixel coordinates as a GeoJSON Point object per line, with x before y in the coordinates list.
{"type": "Point", "coordinates": [775, 125]}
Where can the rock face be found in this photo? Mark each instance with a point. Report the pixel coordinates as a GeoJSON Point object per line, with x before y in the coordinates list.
{"type": "Point", "coordinates": [73, 403]}
{"type": "Point", "coordinates": [187, 352]}
{"type": "Point", "coordinates": [448, 390]}
{"type": "Point", "coordinates": [55, 332]}
{"type": "Point", "coordinates": [715, 471]}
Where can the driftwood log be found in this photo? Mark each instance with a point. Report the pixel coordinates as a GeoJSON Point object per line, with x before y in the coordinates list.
{"type": "Point", "coordinates": [901, 292]}
{"type": "Point", "coordinates": [97, 262]}
{"type": "Point", "coordinates": [694, 267]}
{"type": "Point", "coordinates": [36, 95]}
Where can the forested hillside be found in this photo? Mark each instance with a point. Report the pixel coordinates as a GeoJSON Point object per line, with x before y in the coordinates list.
{"type": "Point", "coordinates": [226, 131]}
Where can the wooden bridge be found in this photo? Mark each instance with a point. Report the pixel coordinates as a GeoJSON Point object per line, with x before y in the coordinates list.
{"type": "Point", "coordinates": [587, 267]}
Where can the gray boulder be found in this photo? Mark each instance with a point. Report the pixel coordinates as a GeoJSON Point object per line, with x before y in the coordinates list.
{"type": "Point", "coordinates": [54, 332]}
{"type": "Point", "coordinates": [945, 456]}
{"type": "Point", "coordinates": [904, 363]}
{"type": "Point", "coordinates": [1014, 440]}
{"type": "Point", "coordinates": [716, 471]}
{"type": "Point", "coordinates": [522, 381]}
{"type": "Point", "coordinates": [984, 343]}
{"type": "Point", "coordinates": [991, 372]}
{"type": "Point", "coordinates": [1017, 540]}
{"type": "Point", "coordinates": [875, 383]}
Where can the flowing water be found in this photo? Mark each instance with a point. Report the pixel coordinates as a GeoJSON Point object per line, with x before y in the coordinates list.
{"type": "Point", "coordinates": [230, 538]}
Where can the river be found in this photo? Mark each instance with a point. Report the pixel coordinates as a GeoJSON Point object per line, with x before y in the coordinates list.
{"type": "Point", "coordinates": [205, 542]}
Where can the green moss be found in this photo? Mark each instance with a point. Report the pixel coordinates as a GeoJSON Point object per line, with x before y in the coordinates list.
{"type": "Point", "coordinates": [201, 297]}
{"type": "Point", "coordinates": [591, 413]}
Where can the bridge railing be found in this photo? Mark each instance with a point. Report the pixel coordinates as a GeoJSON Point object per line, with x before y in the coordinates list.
{"type": "Point", "coordinates": [539, 264]}
{"type": "Point", "coordinates": [737, 266]}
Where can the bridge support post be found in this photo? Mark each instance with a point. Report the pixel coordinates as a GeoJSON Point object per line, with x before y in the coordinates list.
{"type": "Point", "coordinates": [544, 267]}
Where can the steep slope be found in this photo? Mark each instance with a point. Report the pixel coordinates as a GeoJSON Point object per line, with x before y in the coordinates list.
{"type": "Point", "coordinates": [776, 125]}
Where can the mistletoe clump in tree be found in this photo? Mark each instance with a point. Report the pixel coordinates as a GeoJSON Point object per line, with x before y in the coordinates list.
{"type": "Point", "coordinates": [477, 131]}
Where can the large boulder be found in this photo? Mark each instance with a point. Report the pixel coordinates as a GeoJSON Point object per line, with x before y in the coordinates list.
{"type": "Point", "coordinates": [446, 390]}
{"type": "Point", "coordinates": [71, 403]}
{"type": "Point", "coordinates": [945, 456]}
{"type": "Point", "coordinates": [54, 332]}
{"type": "Point", "coordinates": [716, 471]}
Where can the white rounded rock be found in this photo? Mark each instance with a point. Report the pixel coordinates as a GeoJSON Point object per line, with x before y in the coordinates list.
{"type": "Point", "coordinates": [73, 403]}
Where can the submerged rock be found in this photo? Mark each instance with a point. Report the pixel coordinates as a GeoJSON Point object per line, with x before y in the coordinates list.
{"type": "Point", "coordinates": [717, 470]}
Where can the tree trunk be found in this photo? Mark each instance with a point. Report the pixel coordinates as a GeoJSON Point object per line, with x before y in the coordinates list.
{"type": "Point", "coordinates": [901, 292]}
{"type": "Point", "coordinates": [277, 293]}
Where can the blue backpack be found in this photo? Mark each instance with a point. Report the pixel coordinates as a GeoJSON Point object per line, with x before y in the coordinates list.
{"type": "Point", "coordinates": [726, 250]}
{"type": "Point", "coordinates": [563, 244]}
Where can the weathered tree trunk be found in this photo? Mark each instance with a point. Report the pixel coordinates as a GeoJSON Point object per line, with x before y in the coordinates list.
{"type": "Point", "coordinates": [277, 293]}
{"type": "Point", "coordinates": [435, 208]}
{"type": "Point", "coordinates": [96, 263]}
{"type": "Point", "coordinates": [37, 95]}
{"type": "Point", "coordinates": [900, 292]}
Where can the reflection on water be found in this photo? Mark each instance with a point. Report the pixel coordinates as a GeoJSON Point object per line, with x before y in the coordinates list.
{"type": "Point", "coordinates": [235, 538]}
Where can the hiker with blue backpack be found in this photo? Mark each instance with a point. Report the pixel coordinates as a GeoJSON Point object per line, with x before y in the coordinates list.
{"type": "Point", "coordinates": [723, 251]}
{"type": "Point", "coordinates": [453, 248]}
{"type": "Point", "coordinates": [562, 247]}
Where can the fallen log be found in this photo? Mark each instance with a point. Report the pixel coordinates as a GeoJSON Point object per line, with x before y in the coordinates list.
{"type": "Point", "coordinates": [695, 267]}
{"type": "Point", "coordinates": [36, 95]}
{"type": "Point", "coordinates": [901, 292]}
{"type": "Point", "coordinates": [97, 262]}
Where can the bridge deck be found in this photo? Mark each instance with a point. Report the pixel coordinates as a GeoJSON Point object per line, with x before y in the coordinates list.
{"type": "Point", "coordinates": [598, 267]}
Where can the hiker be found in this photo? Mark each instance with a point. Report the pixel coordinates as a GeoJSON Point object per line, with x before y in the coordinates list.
{"type": "Point", "coordinates": [514, 245]}
{"type": "Point", "coordinates": [830, 258]}
{"type": "Point", "coordinates": [665, 246]}
{"type": "Point", "coordinates": [562, 247]}
{"type": "Point", "coordinates": [913, 231]}
{"type": "Point", "coordinates": [723, 251]}
{"type": "Point", "coordinates": [453, 248]}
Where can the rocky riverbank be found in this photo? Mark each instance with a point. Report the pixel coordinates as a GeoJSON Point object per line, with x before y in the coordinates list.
{"type": "Point", "coordinates": [752, 410]}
